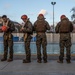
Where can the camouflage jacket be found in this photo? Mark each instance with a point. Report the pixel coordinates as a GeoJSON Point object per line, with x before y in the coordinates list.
{"type": "Point", "coordinates": [57, 28]}
{"type": "Point", "coordinates": [64, 36]}
{"type": "Point", "coordinates": [45, 26]}
{"type": "Point", "coordinates": [28, 28]}
{"type": "Point", "coordinates": [11, 27]}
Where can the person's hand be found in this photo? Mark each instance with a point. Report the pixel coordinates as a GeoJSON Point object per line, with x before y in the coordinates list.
{"type": "Point", "coordinates": [21, 29]}
{"type": "Point", "coordinates": [7, 27]}
{"type": "Point", "coordinates": [4, 28]}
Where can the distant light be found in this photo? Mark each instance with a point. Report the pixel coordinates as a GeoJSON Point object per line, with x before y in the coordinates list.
{"type": "Point", "coordinates": [53, 3]}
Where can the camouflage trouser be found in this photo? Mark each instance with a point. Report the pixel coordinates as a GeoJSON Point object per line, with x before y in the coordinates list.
{"type": "Point", "coordinates": [41, 40]}
{"type": "Point", "coordinates": [8, 42]}
{"type": "Point", "coordinates": [65, 44]}
{"type": "Point", "coordinates": [27, 48]}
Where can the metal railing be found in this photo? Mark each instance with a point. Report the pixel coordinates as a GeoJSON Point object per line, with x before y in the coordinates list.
{"type": "Point", "coordinates": [52, 45]}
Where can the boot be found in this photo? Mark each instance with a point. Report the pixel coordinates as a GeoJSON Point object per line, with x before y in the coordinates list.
{"type": "Point", "coordinates": [3, 59]}
{"type": "Point", "coordinates": [39, 61]}
{"type": "Point", "coordinates": [26, 61]}
{"type": "Point", "coordinates": [68, 61]}
{"type": "Point", "coordinates": [45, 61]}
{"type": "Point", "coordinates": [9, 60]}
{"type": "Point", "coordinates": [60, 61]}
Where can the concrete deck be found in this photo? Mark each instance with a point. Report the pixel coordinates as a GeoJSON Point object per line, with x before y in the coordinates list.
{"type": "Point", "coordinates": [16, 67]}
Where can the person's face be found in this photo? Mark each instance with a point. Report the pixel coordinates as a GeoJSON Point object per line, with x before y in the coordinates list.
{"type": "Point", "coordinates": [4, 19]}
{"type": "Point", "coordinates": [24, 20]}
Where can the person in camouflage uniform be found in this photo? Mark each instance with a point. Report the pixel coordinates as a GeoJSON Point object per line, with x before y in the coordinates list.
{"type": "Point", "coordinates": [40, 26]}
{"type": "Point", "coordinates": [27, 29]}
{"type": "Point", "coordinates": [64, 27]}
{"type": "Point", "coordinates": [8, 38]}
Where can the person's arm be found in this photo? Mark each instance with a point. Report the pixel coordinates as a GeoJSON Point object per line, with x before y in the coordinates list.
{"type": "Point", "coordinates": [47, 26]}
{"type": "Point", "coordinates": [57, 28]}
{"type": "Point", "coordinates": [29, 28]}
{"type": "Point", "coordinates": [71, 27]}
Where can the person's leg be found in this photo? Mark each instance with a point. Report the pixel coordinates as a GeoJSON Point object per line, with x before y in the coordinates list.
{"type": "Point", "coordinates": [68, 51]}
{"type": "Point", "coordinates": [62, 43]}
{"type": "Point", "coordinates": [44, 44]}
{"type": "Point", "coordinates": [68, 55]}
{"type": "Point", "coordinates": [5, 51]}
{"type": "Point", "coordinates": [38, 45]}
{"type": "Point", "coordinates": [28, 52]}
{"type": "Point", "coordinates": [10, 44]}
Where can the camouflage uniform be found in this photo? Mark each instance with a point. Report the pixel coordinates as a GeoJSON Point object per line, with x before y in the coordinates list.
{"type": "Point", "coordinates": [41, 37]}
{"type": "Point", "coordinates": [28, 29]}
{"type": "Point", "coordinates": [65, 40]}
{"type": "Point", "coordinates": [8, 41]}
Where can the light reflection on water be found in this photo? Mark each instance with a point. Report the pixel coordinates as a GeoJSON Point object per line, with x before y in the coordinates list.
{"type": "Point", "coordinates": [52, 48]}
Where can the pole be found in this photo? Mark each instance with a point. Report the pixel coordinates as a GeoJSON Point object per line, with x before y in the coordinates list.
{"type": "Point", "coordinates": [53, 18]}
{"type": "Point", "coordinates": [53, 3]}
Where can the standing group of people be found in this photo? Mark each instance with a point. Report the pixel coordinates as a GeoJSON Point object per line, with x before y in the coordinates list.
{"type": "Point", "coordinates": [64, 27]}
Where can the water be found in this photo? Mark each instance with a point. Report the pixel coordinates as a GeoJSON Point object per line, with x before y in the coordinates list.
{"type": "Point", "coordinates": [52, 48]}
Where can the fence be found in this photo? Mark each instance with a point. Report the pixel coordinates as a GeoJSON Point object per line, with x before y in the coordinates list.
{"type": "Point", "coordinates": [52, 45]}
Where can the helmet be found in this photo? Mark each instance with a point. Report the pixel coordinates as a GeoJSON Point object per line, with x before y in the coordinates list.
{"type": "Point", "coordinates": [41, 15]}
{"type": "Point", "coordinates": [62, 16]}
{"type": "Point", "coordinates": [4, 28]}
{"type": "Point", "coordinates": [24, 17]}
